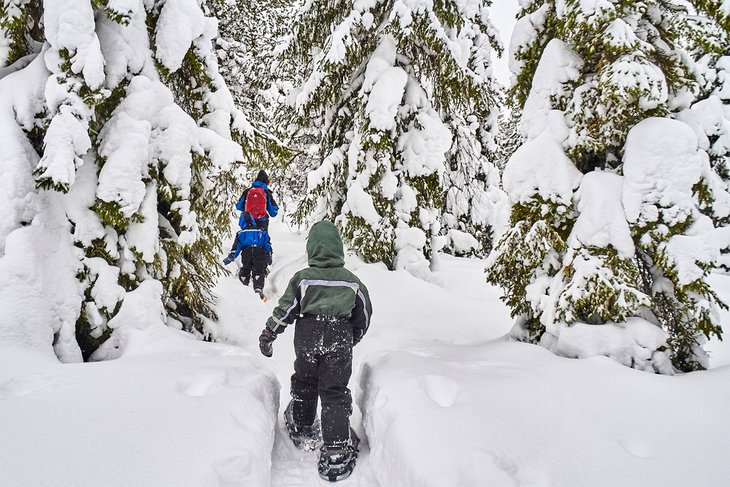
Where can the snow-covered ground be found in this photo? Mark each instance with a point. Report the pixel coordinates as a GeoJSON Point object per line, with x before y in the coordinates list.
{"type": "Point", "coordinates": [171, 411]}
{"type": "Point", "coordinates": [441, 400]}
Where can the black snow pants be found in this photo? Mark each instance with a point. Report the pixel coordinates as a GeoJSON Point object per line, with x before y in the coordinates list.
{"type": "Point", "coordinates": [323, 346]}
{"type": "Point", "coordinates": [254, 265]}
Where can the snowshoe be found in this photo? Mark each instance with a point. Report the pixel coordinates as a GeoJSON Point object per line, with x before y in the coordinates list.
{"type": "Point", "coordinates": [261, 294]}
{"type": "Point", "coordinates": [306, 438]}
{"type": "Point", "coordinates": [337, 463]}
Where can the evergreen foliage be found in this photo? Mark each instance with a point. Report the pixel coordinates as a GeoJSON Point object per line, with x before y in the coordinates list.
{"type": "Point", "coordinates": [508, 138]}
{"type": "Point", "coordinates": [19, 29]}
{"type": "Point", "coordinates": [403, 99]}
{"type": "Point", "coordinates": [718, 10]}
{"type": "Point", "coordinates": [136, 126]}
{"type": "Point", "coordinates": [249, 33]}
{"type": "Point", "coordinates": [587, 75]}
{"type": "Point", "coordinates": [535, 245]}
{"type": "Point", "coordinates": [709, 115]}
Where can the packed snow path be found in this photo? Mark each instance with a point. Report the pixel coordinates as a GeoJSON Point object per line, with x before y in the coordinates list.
{"type": "Point", "coordinates": [404, 315]}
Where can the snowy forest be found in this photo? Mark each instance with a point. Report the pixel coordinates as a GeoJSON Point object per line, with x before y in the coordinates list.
{"type": "Point", "coordinates": [536, 194]}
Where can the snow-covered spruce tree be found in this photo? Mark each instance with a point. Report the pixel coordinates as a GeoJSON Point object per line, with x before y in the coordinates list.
{"type": "Point", "coordinates": [405, 94]}
{"type": "Point", "coordinates": [536, 26]}
{"type": "Point", "coordinates": [540, 180]}
{"type": "Point", "coordinates": [475, 207]}
{"type": "Point", "coordinates": [709, 115]}
{"type": "Point", "coordinates": [677, 245]}
{"type": "Point", "coordinates": [119, 134]}
{"type": "Point", "coordinates": [249, 32]}
{"type": "Point", "coordinates": [608, 67]}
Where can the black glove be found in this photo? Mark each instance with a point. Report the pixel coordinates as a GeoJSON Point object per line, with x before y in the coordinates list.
{"type": "Point", "coordinates": [229, 259]}
{"type": "Point", "coordinates": [266, 342]}
{"type": "Point", "coordinates": [356, 337]}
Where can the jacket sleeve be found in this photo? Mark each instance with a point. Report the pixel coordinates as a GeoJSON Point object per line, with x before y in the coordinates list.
{"type": "Point", "coordinates": [271, 207]}
{"type": "Point", "coordinates": [235, 243]}
{"type": "Point", "coordinates": [288, 308]}
{"type": "Point", "coordinates": [362, 312]}
{"type": "Point", "coordinates": [241, 204]}
{"type": "Point", "coordinates": [237, 246]}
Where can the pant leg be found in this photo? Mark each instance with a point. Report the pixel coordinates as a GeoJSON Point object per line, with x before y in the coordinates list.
{"type": "Point", "coordinates": [335, 369]}
{"type": "Point", "coordinates": [247, 259]}
{"type": "Point", "coordinates": [305, 381]}
{"type": "Point", "coordinates": [259, 267]}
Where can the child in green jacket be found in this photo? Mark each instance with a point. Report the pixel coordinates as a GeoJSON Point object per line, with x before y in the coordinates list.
{"type": "Point", "coordinates": [332, 309]}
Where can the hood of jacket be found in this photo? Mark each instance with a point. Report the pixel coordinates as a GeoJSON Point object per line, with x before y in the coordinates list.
{"type": "Point", "coordinates": [259, 184]}
{"type": "Point", "coordinates": [324, 246]}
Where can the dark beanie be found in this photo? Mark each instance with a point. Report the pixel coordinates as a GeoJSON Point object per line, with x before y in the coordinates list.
{"type": "Point", "coordinates": [263, 177]}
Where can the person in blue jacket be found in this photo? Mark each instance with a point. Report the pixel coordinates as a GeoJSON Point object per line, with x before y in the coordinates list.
{"type": "Point", "coordinates": [259, 201]}
{"type": "Point", "coordinates": [254, 246]}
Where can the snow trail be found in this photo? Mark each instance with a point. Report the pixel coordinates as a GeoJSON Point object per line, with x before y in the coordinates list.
{"type": "Point", "coordinates": [401, 321]}
{"type": "Point", "coordinates": [242, 317]}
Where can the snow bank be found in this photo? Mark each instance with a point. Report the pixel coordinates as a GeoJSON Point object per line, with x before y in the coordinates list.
{"type": "Point", "coordinates": [634, 343]}
{"type": "Point", "coordinates": [510, 414]}
{"type": "Point", "coordinates": [171, 411]}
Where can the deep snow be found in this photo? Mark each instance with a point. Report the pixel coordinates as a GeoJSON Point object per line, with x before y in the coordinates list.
{"type": "Point", "coordinates": [446, 401]}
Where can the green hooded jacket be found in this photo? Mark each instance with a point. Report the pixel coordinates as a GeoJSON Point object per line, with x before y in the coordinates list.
{"type": "Point", "coordinates": [325, 288]}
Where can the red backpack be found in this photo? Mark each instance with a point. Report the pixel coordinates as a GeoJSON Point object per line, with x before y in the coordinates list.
{"type": "Point", "coordinates": [256, 202]}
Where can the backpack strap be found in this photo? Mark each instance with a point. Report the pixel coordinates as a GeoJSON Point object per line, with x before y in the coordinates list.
{"type": "Point", "coordinates": [250, 222]}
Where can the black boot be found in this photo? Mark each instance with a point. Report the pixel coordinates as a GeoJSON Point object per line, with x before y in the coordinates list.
{"type": "Point", "coordinates": [336, 462]}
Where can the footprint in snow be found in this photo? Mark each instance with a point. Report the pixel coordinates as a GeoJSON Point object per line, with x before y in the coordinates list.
{"type": "Point", "coordinates": [200, 384]}
{"type": "Point", "coordinates": [637, 447]}
{"type": "Point", "coordinates": [442, 390]}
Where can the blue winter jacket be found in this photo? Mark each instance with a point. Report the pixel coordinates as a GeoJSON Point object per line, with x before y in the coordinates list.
{"type": "Point", "coordinates": [271, 207]}
{"type": "Point", "coordinates": [251, 237]}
